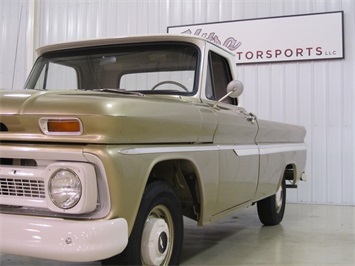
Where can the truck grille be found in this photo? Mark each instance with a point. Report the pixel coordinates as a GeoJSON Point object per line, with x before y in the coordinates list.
{"type": "Point", "coordinates": [22, 188]}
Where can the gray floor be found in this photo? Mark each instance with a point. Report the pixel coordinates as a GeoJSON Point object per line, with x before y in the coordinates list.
{"type": "Point", "coordinates": [308, 235]}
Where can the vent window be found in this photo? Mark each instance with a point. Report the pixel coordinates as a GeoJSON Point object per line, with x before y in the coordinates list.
{"type": "Point", "coordinates": [3, 127]}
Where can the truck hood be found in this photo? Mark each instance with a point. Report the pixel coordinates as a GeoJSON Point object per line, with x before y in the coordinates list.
{"type": "Point", "coordinates": [106, 117]}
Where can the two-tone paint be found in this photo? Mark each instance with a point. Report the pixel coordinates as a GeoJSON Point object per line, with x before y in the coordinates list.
{"type": "Point", "coordinates": [235, 158]}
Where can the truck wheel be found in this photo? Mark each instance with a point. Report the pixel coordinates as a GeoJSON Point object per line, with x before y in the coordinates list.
{"type": "Point", "coordinates": [271, 210]}
{"type": "Point", "coordinates": [157, 235]}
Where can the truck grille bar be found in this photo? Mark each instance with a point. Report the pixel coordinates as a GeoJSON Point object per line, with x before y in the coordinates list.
{"type": "Point", "coordinates": [22, 188]}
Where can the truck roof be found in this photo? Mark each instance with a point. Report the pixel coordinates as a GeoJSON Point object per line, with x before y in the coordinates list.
{"type": "Point", "coordinates": [124, 40]}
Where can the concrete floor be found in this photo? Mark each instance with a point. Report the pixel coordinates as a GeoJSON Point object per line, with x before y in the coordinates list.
{"type": "Point", "coordinates": [309, 235]}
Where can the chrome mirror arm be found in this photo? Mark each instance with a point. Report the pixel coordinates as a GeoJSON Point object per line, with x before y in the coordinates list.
{"type": "Point", "coordinates": [234, 89]}
{"type": "Point", "coordinates": [220, 100]}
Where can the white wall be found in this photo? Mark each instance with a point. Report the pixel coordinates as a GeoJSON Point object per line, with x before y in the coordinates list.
{"type": "Point", "coordinates": [316, 94]}
{"type": "Point", "coordinates": [13, 23]}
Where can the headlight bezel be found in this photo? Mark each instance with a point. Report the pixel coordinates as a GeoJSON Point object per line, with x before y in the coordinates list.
{"type": "Point", "coordinates": [85, 172]}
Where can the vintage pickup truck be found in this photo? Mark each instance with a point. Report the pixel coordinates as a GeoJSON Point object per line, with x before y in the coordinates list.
{"type": "Point", "coordinates": [113, 141]}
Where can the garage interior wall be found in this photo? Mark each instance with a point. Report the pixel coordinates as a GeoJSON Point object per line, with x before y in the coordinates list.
{"type": "Point", "coordinates": [316, 94]}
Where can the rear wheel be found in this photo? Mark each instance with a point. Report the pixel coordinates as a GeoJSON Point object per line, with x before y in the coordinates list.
{"type": "Point", "coordinates": [271, 210]}
{"type": "Point", "coordinates": [157, 235]}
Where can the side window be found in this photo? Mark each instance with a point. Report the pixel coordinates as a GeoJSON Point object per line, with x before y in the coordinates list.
{"type": "Point", "coordinates": [218, 77]}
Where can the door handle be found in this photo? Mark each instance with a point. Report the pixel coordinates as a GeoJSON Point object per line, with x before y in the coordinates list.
{"type": "Point", "coordinates": [251, 118]}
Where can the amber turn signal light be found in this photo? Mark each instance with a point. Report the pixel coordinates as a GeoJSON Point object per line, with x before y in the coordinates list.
{"type": "Point", "coordinates": [61, 126]}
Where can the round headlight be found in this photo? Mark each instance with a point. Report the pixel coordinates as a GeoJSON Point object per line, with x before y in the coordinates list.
{"type": "Point", "coordinates": [65, 188]}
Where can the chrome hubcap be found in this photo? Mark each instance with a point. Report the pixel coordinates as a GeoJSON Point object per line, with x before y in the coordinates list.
{"type": "Point", "coordinates": [156, 244]}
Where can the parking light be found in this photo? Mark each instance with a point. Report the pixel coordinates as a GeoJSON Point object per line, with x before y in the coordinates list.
{"type": "Point", "coordinates": [61, 126]}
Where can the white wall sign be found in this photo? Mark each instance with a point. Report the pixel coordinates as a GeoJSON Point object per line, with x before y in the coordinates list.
{"type": "Point", "coordinates": [289, 38]}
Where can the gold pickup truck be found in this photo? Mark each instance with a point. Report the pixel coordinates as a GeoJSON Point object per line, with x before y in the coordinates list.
{"type": "Point", "coordinates": [113, 141]}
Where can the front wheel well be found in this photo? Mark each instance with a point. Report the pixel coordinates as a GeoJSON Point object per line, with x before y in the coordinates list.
{"type": "Point", "coordinates": [182, 176]}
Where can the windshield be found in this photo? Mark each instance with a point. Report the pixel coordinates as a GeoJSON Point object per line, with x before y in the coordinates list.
{"type": "Point", "coordinates": [158, 68]}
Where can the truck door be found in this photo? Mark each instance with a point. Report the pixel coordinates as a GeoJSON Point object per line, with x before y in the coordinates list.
{"type": "Point", "coordinates": [235, 138]}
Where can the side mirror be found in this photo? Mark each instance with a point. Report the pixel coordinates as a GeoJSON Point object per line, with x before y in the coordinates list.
{"type": "Point", "coordinates": [234, 89]}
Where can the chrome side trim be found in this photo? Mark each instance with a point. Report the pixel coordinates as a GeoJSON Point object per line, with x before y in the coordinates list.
{"type": "Point", "coordinates": [240, 150]}
{"type": "Point", "coordinates": [246, 150]}
{"type": "Point", "coordinates": [279, 148]}
{"type": "Point", "coordinates": [171, 149]}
